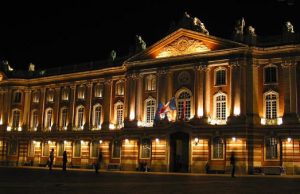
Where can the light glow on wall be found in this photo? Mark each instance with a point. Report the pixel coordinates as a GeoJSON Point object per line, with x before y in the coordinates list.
{"type": "Point", "coordinates": [19, 128]}
{"type": "Point", "coordinates": [8, 128]}
{"type": "Point", "coordinates": [236, 111]}
{"type": "Point", "coordinates": [112, 126]}
{"type": "Point", "coordinates": [131, 116]}
{"type": "Point", "coordinates": [1, 122]}
{"type": "Point", "coordinates": [200, 112]}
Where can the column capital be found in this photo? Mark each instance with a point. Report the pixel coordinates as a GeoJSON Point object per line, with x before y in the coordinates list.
{"type": "Point", "coordinates": [108, 82]}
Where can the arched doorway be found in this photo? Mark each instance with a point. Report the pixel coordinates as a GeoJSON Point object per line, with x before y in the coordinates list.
{"type": "Point", "coordinates": [179, 152]}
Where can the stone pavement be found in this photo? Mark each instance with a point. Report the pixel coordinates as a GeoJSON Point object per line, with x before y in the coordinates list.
{"type": "Point", "coordinates": [40, 180]}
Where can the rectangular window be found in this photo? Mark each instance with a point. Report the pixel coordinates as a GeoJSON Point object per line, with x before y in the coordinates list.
{"type": "Point", "coordinates": [60, 148]}
{"type": "Point", "coordinates": [46, 149]}
{"type": "Point", "coordinates": [13, 147]}
{"type": "Point", "coordinates": [31, 149]}
{"type": "Point", "coordinates": [218, 149]}
{"type": "Point", "coordinates": [95, 149]}
{"type": "Point", "coordinates": [145, 148]}
{"type": "Point", "coordinates": [98, 90]}
{"type": "Point", "coordinates": [271, 149]}
{"type": "Point", "coordinates": [77, 149]}
{"type": "Point", "coordinates": [116, 149]}
{"type": "Point", "coordinates": [220, 77]}
{"type": "Point", "coordinates": [17, 97]}
{"type": "Point", "coordinates": [270, 75]}
{"type": "Point", "coordinates": [35, 97]}
{"type": "Point", "coordinates": [65, 94]}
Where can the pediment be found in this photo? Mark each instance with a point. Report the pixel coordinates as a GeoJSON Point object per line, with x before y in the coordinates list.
{"type": "Point", "coordinates": [184, 42]}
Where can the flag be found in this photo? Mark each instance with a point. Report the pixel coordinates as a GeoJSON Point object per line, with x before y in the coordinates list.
{"type": "Point", "coordinates": [171, 105]}
{"type": "Point", "coordinates": [183, 110]}
{"type": "Point", "coordinates": [157, 114]}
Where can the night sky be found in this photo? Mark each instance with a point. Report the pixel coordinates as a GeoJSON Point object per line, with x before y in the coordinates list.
{"type": "Point", "coordinates": [58, 33]}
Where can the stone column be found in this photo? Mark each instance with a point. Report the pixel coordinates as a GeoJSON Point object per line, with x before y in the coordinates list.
{"type": "Point", "coordinates": [72, 102]}
{"type": "Point", "coordinates": [26, 113]}
{"type": "Point", "coordinates": [88, 100]}
{"type": "Point", "coordinates": [207, 112]}
{"type": "Point", "coordinates": [131, 120]}
{"type": "Point", "coordinates": [42, 109]}
{"type": "Point", "coordinates": [139, 98]}
{"type": "Point", "coordinates": [56, 108]}
{"type": "Point", "coordinates": [196, 91]}
{"type": "Point", "coordinates": [161, 85]}
{"type": "Point", "coordinates": [107, 104]}
{"type": "Point", "coordinates": [289, 85]}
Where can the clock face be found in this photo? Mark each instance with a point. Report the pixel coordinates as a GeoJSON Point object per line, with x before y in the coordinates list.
{"type": "Point", "coordinates": [184, 77]}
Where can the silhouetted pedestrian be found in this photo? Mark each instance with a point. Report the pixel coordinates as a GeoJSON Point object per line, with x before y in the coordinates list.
{"type": "Point", "coordinates": [98, 162]}
{"type": "Point", "coordinates": [51, 158]}
{"type": "Point", "coordinates": [65, 160]}
{"type": "Point", "coordinates": [232, 163]}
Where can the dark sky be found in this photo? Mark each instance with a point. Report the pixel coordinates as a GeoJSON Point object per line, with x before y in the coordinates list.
{"type": "Point", "coordinates": [57, 33]}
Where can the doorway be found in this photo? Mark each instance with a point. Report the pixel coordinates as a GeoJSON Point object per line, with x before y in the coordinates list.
{"type": "Point", "coordinates": [179, 152]}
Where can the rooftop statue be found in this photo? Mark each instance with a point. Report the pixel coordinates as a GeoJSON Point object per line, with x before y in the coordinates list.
{"type": "Point", "coordinates": [251, 31]}
{"type": "Point", "coordinates": [113, 55]}
{"type": "Point", "coordinates": [289, 28]}
{"type": "Point", "coordinates": [199, 26]}
{"type": "Point", "coordinates": [140, 44]}
{"type": "Point", "coordinates": [31, 67]}
{"type": "Point", "coordinates": [239, 27]}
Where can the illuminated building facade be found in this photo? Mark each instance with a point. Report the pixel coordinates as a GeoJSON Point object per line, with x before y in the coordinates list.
{"type": "Point", "coordinates": [230, 97]}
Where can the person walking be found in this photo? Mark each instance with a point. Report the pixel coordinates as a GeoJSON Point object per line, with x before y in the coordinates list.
{"type": "Point", "coordinates": [65, 160]}
{"type": "Point", "coordinates": [98, 162]}
{"type": "Point", "coordinates": [51, 158]}
{"type": "Point", "coordinates": [232, 163]}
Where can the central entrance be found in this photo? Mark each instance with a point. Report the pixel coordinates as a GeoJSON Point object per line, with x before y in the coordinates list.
{"type": "Point", "coordinates": [179, 152]}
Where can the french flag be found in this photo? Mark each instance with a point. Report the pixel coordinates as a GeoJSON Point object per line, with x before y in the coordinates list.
{"type": "Point", "coordinates": [171, 105]}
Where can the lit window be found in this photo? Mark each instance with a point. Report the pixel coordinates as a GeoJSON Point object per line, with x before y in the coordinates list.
{"type": "Point", "coordinates": [150, 83]}
{"type": "Point", "coordinates": [97, 116]}
{"type": "Point", "coordinates": [119, 88]}
{"type": "Point", "coordinates": [119, 114]}
{"type": "Point", "coordinates": [271, 103]}
{"type": "Point", "coordinates": [65, 94]}
{"type": "Point", "coordinates": [35, 97]}
{"type": "Point", "coordinates": [218, 148]}
{"type": "Point", "coordinates": [220, 77]}
{"type": "Point", "coordinates": [81, 92]}
{"type": "Point", "coordinates": [60, 148]}
{"type": "Point", "coordinates": [145, 148]}
{"type": "Point", "coordinates": [80, 116]}
{"type": "Point", "coordinates": [48, 119]}
{"type": "Point", "coordinates": [16, 119]}
{"type": "Point", "coordinates": [17, 97]}
{"type": "Point", "coordinates": [95, 149]}
{"type": "Point", "coordinates": [64, 117]}
{"type": "Point", "coordinates": [34, 119]}
{"type": "Point", "coordinates": [150, 110]}
{"type": "Point", "coordinates": [220, 105]}
{"type": "Point", "coordinates": [46, 148]}
{"type": "Point", "coordinates": [270, 75]}
{"type": "Point", "coordinates": [77, 149]}
{"type": "Point", "coordinates": [50, 95]}
{"type": "Point", "coordinates": [116, 149]}
{"type": "Point", "coordinates": [271, 148]}
{"type": "Point", "coordinates": [98, 91]}
{"type": "Point", "coordinates": [184, 105]}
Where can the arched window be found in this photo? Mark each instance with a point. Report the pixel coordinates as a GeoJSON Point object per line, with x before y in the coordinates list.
{"type": "Point", "coordinates": [64, 117]}
{"type": "Point", "coordinates": [50, 95]}
{"type": "Point", "coordinates": [80, 117]}
{"type": "Point", "coordinates": [35, 97]}
{"type": "Point", "coordinates": [17, 97]}
{"type": "Point", "coordinates": [48, 118]}
{"type": "Point", "coordinates": [218, 148]}
{"type": "Point", "coordinates": [220, 76]}
{"type": "Point", "coordinates": [270, 74]}
{"type": "Point", "coordinates": [184, 105]}
{"type": "Point", "coordinates": [272, 148]}
{"type": "Point", "coordinates": [145, 148]}
{"type": "Point", "coordinates": [97, 111]}
{"type": "Point", "coordinates": [16, 119]}
{"type": "Point", "coordinates": [98, 91]}
{"type": "Point", "coordinates": [150, 107]}
{"type": "Point", "coordinates": [150, 83]}
{"type": "Point", "coordinates": [271, 105]}
{"type": "Point", "coordinates": [65, 94]}
{"type": "Point", "coordinates": [81, 92]}
{"type": "Point", "coordinates": [220, 107]}
{"type": "Point", "coordinates": [119, 112]}
{"type": "Point", "coordinates": [34, 119]}
{"type": "Point", "coordinates": [119, 88]}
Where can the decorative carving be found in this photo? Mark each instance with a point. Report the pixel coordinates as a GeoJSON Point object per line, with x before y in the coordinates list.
{"type": "Point", "coordinates": [251, 31]}
{"type": "Point", "coordinates": [239, 27]}
{"type": "Point", "coordinates": [184, 77]}
{"type": "Point", "coordinates": [140, 44]}
{"type": "Point", "coordinates": [288, 28]}
{"type": "Point", "coordinates": [183, 46]}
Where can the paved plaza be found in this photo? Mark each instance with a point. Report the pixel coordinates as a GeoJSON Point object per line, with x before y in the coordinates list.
{"type": "Point", "coordinates": [42, 181]}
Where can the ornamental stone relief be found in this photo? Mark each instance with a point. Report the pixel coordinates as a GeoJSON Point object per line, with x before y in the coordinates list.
{"type": "Point", "coordinates": [184, 78]}
{"type": "Point", "coordinates": [183, 46]}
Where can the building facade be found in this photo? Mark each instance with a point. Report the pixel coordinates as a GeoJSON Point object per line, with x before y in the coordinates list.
{"type": "Point", "coordinates": [230, 97]}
